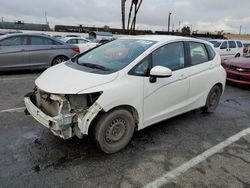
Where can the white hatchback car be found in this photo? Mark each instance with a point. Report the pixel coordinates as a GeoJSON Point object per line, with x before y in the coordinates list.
{"type": "Point", "coordinates": [127, 85]}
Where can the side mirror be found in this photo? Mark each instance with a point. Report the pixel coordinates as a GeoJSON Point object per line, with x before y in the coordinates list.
{"type": "Point", "coordinates": [159, 72]}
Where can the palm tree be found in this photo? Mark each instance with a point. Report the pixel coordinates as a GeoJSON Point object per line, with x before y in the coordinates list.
{"type": "Point", "coordinates": [136, 9]}
{"type": "Point", "coordinates": [123, 5]}
{"type": "Point", "coordinates": [136, 4]}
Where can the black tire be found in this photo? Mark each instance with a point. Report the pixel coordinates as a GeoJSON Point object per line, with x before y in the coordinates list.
{"type": "Point", "coordinates": [213, 100]}
{"type": "Point", "coordinates": [114, 130]}
{"type": "Point", "coordinates": [237, 55]}
{"type": "Point", "coordinates": [59, 60]}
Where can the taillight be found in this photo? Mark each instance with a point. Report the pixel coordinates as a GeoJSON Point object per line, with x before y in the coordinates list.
{"type": "Point", "coordinates": [77, 50]}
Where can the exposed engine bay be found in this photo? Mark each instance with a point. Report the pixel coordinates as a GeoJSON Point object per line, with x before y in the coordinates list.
{"type": "Point", "coordinates": [65, 115]}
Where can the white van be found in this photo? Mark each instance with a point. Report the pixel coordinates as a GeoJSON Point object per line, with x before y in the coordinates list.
{"type": "Point", "coordinates": [228, 48]}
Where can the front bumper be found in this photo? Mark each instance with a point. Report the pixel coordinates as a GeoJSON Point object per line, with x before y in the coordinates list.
{"type": "Point", "coordinates": [238, 77]}
{"type": "Point", "coordinates": [60, 125]}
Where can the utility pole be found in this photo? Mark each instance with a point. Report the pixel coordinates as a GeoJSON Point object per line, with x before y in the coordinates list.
{"type": "Point", "coordinates": [179, 26]}
{"type": "Point", "coordinates": [240, 29]}
{"type": "Point", "coordinates": [46, 19]}
{"type": "Point", "coordinates": [169, 19]}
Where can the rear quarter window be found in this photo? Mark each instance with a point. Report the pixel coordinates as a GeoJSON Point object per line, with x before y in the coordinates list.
{"type": "Point", "coordinates": [239, 44]}
{"type": "Point", "coordinates": [211, 52]}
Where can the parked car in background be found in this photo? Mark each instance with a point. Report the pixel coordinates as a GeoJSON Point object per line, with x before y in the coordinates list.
{"type": "Point", "coordinates": [127, 85]}
{"type": "Point", "coordinates": [238, 70]}
{"type": "Point", "coordinates": [10, 32]}
{"type": "Point", "coordinates": [71, 35]}
{"type": "Point", "coordinates": [30, 51]}
{"type": "Point", "coordinates": [82, 43]}
{"type": "Point", "coordinates": [98, 36]}
{"type": "Point", "coordinates": [57, 36]}
{"type": "Point", "coordinates": [228, 48]}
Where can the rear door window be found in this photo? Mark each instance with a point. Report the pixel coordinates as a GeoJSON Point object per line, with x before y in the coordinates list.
{"type": "Point", "coordinates": [198, 53]}
{"type": "Point", "coordinates": [37, 40]}
{"type": "Point", "coordinates": [232, 44]}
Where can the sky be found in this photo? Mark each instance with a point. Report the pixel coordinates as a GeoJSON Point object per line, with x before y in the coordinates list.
{"type": "Point", "coordinates": [202, 15]}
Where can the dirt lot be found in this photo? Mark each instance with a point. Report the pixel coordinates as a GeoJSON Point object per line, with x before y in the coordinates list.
{"type": "Point", "coordinates": [31, 156]}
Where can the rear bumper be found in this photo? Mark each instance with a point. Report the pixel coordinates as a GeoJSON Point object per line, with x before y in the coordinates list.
{"type": "Point", "coordinates": [59, 125]}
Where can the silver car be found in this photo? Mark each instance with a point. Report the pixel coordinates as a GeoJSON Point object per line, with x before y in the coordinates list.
{"type": "Point", "coordinates": [32, 51]}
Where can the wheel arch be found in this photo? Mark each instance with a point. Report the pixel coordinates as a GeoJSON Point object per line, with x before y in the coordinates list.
{"type": "Point", "coordinates": [238, 54]}
{"type": "Point", "coordinates": [57, 57]}
{"type": "Point", "coordinates": [220, 85]}
{"type": "Point", "coordinates": [130, 108]}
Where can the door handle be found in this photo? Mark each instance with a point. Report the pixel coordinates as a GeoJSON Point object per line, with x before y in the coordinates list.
{"type": "Point", "coordinates": [182, 77]}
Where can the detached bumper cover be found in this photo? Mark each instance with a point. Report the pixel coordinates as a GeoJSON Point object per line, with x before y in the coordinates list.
{"type": "Point", "coordinates": [59, 125]}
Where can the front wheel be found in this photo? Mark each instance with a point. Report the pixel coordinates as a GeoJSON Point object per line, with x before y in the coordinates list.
{"type": "Point", "coordinates": [213, 99]}
{"type": "Point", "coordinates": [114, 130]}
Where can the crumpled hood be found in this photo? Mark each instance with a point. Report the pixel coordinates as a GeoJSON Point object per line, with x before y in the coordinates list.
{"type": "Point", "coordinates": [64, 79]}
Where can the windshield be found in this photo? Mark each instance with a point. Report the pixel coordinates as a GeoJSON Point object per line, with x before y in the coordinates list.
{"type": "Point", "coordinates": [215, 43]}
{"type": "Point", "coordinates": [115, 55]}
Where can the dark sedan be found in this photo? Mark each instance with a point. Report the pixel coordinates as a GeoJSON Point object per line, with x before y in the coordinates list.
{"type": "Point", "coordinates": [33, 51]}
{"type": "Point", "coordinates": [238, 70]}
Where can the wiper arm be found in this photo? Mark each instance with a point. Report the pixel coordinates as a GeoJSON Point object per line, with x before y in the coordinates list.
{"type": "Point", "coordinates": [95, 66]}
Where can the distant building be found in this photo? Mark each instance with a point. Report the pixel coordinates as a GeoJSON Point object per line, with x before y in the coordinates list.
{"type": "Point", "coordinates": [20, 25]}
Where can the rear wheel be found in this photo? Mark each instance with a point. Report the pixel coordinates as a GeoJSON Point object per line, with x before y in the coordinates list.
{"type": "Point", "coordinates": [114, 130]}
{"type": "Point", "coordinates": [213, 99]}
{"type": "Point", "coordinates": [59, 60]}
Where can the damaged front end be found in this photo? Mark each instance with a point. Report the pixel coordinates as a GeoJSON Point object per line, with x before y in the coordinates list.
{"type": "Point", "coordinates": [65, 115]}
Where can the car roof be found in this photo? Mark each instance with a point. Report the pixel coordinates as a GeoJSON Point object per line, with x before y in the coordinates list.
{"type": "Point", "coordinates": [68, 38]}
{"type": "Point", "coordinates": [163, 38]}
{"type": "Point", "coordinates": [218, 40]}
{"type": "Point", "coordinates": [31, 34]}
{"type": "Point", "coordinates": [25, 34]}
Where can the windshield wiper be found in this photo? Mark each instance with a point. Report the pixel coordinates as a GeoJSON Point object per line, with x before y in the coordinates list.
{"type": "Point", "coordinates": [95, 66]}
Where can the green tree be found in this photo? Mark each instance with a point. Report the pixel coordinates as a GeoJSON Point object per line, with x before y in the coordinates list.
{"type": "Point", "coordinates": [186, 30]}
{"type": "Point", "coordinates": [106, 28]}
